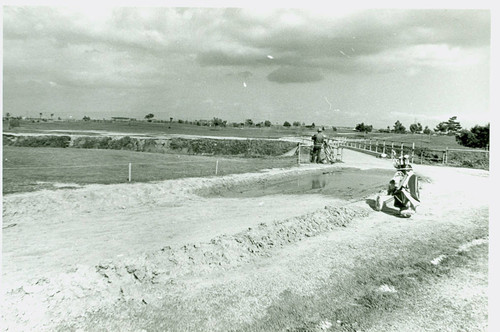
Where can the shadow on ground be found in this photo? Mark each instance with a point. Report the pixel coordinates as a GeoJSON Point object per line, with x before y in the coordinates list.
{"type": "Point", "coordinates": [387, 210]}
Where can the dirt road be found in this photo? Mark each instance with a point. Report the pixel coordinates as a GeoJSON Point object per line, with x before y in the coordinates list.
{"type": "Point", "coordinates": [160, 257]}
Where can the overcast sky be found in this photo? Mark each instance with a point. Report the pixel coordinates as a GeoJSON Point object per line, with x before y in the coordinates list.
{"type": "Point", "coordinates": [324, 65]}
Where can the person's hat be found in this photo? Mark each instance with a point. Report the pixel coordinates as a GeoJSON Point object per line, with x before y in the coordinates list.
{"type": "Point", "coordinates": [319, 130]}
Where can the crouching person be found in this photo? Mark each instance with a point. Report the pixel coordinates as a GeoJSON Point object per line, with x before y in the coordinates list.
{"type": "Point", "coordinates": [403, 188]}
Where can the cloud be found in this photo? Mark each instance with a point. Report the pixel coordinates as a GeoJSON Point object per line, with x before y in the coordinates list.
{"type": "Point", "coordinates": [294, 75]}
{"type": "Point", "coordinates": [305, 44]}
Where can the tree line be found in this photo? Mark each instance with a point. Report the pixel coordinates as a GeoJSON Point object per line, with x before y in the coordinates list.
{"type": "Point", "coordinates": [477, 137]}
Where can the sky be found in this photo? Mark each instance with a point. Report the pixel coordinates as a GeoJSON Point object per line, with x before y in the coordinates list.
{"type": "Point", "coordinates": [327, 65]}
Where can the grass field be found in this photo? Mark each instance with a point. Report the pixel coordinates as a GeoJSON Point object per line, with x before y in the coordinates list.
{"type": "Point", "coordinates": [29, 169]}
{"type": "Point", "coordinates": [141, 127]}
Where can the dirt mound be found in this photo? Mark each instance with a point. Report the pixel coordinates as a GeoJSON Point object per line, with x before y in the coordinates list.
{"type": "Point", "coordinates": [86, 289]}
{"type": "Point", "coordinates": [229, 250]}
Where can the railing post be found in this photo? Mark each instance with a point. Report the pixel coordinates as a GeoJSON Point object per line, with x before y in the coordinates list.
{"type": "Point", "coordinates": [298, 156]}
{"type": "Point", "coordinates": [402, 149]}
{"type": "Point", "coordinates": [446, 156]}
{"type": "Point", "coordinates": [129, 172]}
{"type": "Point", "coordinates": [383, 148]}
{"type": "Point", "coordinates": [412, 151]}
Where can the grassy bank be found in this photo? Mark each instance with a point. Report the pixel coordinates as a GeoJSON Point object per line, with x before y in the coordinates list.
{"type": "Point", "coordinates": [30, 169]}
{"type": "Point", "coordinates": [396, 288]}
{"type": "Point", "coordinates": [275, 131]}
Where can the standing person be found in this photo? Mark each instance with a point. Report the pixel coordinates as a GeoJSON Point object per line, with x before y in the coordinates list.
{"type": "Point", "coordinates": [318, 140]}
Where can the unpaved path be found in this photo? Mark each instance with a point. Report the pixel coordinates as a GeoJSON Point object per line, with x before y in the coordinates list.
{"type": "Point", "coordinates": [56, 270]}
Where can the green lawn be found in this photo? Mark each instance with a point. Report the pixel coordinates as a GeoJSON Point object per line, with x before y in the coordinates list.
{"type": "Point", "coordinates": [29, 169]}
{"type": "Point", "coordinates": [141, 127]}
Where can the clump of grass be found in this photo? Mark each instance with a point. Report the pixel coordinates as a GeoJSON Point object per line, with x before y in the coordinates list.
{"type": "Point", "coordinates": [247, 148]}
{"type": "Point", "coordinates": [37, 141]}
{"type": "Point", "coordinates": [469, 159]}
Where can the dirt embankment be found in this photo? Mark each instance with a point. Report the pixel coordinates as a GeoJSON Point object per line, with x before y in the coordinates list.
{"type": "Point", "coordinates": [184, 144]}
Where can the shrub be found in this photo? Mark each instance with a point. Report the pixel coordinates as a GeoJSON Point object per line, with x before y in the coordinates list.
{"type": "Point", "coordinates": [477, 137]}
{"type": "Point", "coordinates": [42, 141]}
{"type": "Point", "coordinates": [249, 148]}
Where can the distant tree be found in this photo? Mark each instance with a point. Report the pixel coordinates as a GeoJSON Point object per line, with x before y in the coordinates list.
{"type": "Point", "coordinates": [7, 115]}
{"type": "Point", "coordinates": [86, 118]}
{"type": "Point", "coordinates": [442, 127]}
{"type": "Point", "coordinates": [286, 124]}
{"type": "Point", "coordinates": [303, 124]}
{"type": "Point", "coordinates": [267, 123]}
{"type": "Point", "coordinates": [361, 127]}
{"type": "Point", "coordinates": [180, 121]}
{"type": "Point", "coordinates": [477, 137]}
{"type": "Point", "coordinates": [219, 122]}
{"type": "Point", "coordinates": [248, 122]}
{"type": "Point", "coordinates": [149, 117]}
{"type": "Point", "coordinates": [171, 119]}
{"type": "Point", "coordinates": [453, 125]}
{"type": "Point", "coordinates": [399, 128]}
{"type": "Point", "coordinates": [334, 128]}
{"type": "Point", "coordinates": [51, 115]}
{"type": "Point", "coordinates": [41, 115]}
{"type": "Point", "coordinates": [427, 131]}
{"type": "Point", "coordinates": [415, 128]}
{"type": "Point", "coordinates": [296, 124]}
{"type": "Point", "coordinates": [313, 125]}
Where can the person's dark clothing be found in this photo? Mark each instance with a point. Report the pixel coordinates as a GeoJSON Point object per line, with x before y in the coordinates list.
{"type": "Point", "coordinates": [318, 140]}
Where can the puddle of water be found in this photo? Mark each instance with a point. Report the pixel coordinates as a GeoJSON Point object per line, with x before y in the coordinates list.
{"type": "Point", "coordinates": [347, 183]}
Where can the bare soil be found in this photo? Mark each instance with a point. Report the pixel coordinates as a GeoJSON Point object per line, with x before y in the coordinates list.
{"type": "Point", "coordinates": [159, 256]}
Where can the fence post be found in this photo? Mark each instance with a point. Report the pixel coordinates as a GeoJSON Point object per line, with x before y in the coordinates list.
{"type": "Point", "coordinates": [412, 151]}
{"type": "Point", "coordinates": [370, 144]}
{"type": "Point", "coordinates": [129, 172]}
{"type": "Point", "coordinates": [421, 155]}
{"type": "Point", "coordinates": [376, 146]}
{"type": "Point", "coordinates": [216, 166]}
{"type": "Point", "coordinates": [402, 149]}
{"type": "Point", "coordinates": [298, 156]}
{"type": "Point", "coordinates": [383, 148]}
{"type": "Point", "coordinates": [446, 156]}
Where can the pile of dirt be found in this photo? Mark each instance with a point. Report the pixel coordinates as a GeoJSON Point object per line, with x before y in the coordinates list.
{"type": "Point", "coordinates": [228, 251]}
{"type": "Point", "coordinates": [85, 289]}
